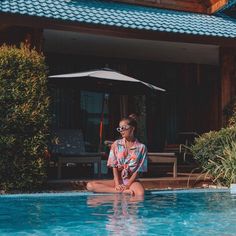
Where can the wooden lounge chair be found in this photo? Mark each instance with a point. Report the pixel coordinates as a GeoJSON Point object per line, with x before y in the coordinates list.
{"type": "Point", "coordinates": [69, 147]}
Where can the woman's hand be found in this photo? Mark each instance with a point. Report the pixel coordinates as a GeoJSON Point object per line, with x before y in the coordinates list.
{"type": "Point", "coordinates": [125, 187]}
{"type": "Point", "coordinates": [121, 187]}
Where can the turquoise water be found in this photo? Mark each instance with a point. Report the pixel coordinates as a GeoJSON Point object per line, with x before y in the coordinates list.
{"type": "Point", "coordinates": [159, 213]}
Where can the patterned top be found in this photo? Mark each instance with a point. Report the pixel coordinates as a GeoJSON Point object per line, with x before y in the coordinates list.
{"type": "Point", "coordinates": [129, 161]}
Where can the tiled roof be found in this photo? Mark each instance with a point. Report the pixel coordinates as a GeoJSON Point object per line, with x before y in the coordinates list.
{"type": "Point", "coordinates": [108, 13]}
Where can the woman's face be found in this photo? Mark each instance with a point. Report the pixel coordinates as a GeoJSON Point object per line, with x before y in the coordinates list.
{"type": "Point", "coordinates": [125, 129]}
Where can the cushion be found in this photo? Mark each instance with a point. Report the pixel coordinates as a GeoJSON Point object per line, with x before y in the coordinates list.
{"type": "Point", "coordinates": [68, 142]}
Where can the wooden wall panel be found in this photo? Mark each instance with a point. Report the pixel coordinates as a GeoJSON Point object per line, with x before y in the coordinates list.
{"type": "Point", "coordinates": [191, 102]}
{"type": "Point", "coordinates": [200, 100]}
{"type": "Point", "coordinates": [227, 82]}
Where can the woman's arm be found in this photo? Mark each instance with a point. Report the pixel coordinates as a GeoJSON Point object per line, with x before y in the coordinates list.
{"type": "Point", "coordinates": [131, 180]}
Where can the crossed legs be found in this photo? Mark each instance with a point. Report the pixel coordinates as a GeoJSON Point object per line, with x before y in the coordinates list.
{"type": "Point", "coordinates": [108, 186]}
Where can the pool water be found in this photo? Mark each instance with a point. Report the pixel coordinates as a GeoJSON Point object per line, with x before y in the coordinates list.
{"type": "Point", "coordinates": [159, 213]}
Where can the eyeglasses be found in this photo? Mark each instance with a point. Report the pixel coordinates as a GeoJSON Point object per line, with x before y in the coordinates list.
{"type": "Point", "coordinates": [123, 128]}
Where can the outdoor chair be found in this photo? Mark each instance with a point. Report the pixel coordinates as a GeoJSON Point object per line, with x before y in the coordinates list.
{"type": "Point", "coordinates": [187, 140]}
{"type": "Point", "coordinates": [181, 150]}
{"type": "Point", "coordinates": [69, 147]}
{"type": "Point", "coordinates": [173, 147]}
{"type": "Point", "coordinates": [164, 157]}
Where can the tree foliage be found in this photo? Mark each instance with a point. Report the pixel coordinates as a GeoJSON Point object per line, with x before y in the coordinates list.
{"type": "Point", "coordinates": [24, 118]}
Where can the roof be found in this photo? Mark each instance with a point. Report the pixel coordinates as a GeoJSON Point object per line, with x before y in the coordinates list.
{"type": "Point", "coordinates": [121, 15]}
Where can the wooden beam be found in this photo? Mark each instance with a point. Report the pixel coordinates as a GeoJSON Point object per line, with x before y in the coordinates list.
{"type": "Point", "coordinates": [198, 6]}
{"type": "Point", "coordinates": [215, 6]}
{"type": "Point", "coordinates": [192, 6]}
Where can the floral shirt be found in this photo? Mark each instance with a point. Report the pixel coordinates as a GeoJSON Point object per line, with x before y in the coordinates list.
{"type": "Point", "coordinates": [130, 161]}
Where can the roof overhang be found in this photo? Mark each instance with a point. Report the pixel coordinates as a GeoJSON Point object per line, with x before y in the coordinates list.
{"type": "Point", "coordinates": [77, 43]}
{"type": "Point", "coordinates": [8, 19]}
{"type": "Point", "coordinates": [198, 6]}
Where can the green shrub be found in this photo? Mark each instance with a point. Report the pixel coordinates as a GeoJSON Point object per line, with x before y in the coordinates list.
{"type": "Point", "coordinates": [216, 153]}
{"type": "Point", "coordinates": [23, 118]}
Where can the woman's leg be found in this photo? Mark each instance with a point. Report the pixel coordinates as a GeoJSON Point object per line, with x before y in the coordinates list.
{"type": "Point", "coordinates": [97, 199]}
{"type": "Point", "coordinates": [137, 189]}
{"type": "Point", "coordinates": [103, 186]}
{"type": "Point", "coordinates": [108, 186]}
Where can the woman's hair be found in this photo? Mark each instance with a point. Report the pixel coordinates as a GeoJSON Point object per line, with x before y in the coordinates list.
{"type": "Point", "coordinates": [132, 121]}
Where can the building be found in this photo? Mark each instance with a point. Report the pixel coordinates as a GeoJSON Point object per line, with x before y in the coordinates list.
{"type": "Point", "coordinates": [188, 48]}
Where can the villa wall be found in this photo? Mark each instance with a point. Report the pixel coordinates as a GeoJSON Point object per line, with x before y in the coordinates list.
{"type": "Point", "coordinates": [227, 81]}
{"type": "Point", "coordinates": [14, 35]}
{"type": "Point", "coordinates": [196, 94]}
{"type": "Point", "coordinates": [191, 103]}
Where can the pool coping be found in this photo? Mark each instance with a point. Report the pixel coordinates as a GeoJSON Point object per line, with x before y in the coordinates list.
{"type": "Point", "coordinates": [86, 193]}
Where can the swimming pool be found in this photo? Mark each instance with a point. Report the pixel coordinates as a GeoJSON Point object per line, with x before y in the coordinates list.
{"type": "Point", "coordinates": [196, 212]}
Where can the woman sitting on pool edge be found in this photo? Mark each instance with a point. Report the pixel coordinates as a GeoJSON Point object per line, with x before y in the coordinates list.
{"type": "Point", "coordinates": [127, 158]}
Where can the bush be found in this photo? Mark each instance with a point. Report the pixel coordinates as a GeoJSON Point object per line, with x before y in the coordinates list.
{"type": "Point", "coordinates": [216, 153]}
{"type": "Point", "coordinates": [23, 118]}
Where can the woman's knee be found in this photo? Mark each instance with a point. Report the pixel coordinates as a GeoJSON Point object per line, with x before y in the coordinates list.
{"type": "Point", "coordinates": [138, 189]}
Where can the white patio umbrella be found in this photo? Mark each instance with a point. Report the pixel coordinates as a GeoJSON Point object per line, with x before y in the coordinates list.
{"type": "Point", "coordinates": [106, 74]}
{"type": "Point", "coordinates": [109, 75]}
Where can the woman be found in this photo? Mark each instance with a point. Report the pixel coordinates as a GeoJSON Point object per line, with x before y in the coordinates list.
{"type": "Point", "coordinates": [127, 158]}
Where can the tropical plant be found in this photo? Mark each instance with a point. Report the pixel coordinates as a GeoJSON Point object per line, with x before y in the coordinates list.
{"type": "Point", "coordinates": [23, 118]}
{"type": "Point", "coordinates": [216, 153]}
{"type": "Point", "coordinates": [225, 165]}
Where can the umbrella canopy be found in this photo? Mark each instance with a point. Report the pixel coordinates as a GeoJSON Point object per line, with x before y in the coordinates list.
{"type": "Point", "coordinates": [109, 75]}
{"type": "Point", "coordinates": [110, 78]}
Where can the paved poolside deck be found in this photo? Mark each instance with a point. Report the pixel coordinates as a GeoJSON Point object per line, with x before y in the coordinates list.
{"type": "Point", "coordinates": [183, 181]}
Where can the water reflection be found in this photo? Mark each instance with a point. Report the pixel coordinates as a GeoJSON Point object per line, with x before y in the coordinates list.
{"type": "Point", "coordinates": [123, 216]}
